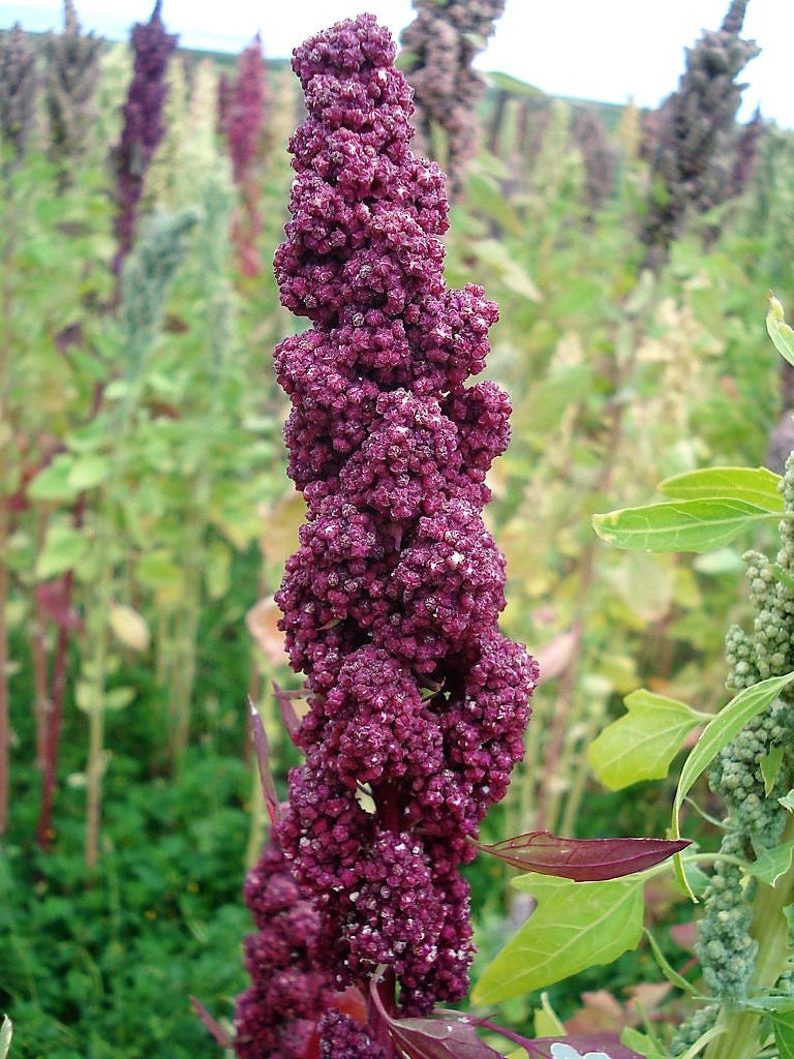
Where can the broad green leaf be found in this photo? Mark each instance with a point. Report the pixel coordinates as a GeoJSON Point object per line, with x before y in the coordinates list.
{"type": "Point", "coordinates": [574, 926]}
{"type": "Point", "coordinates": [63, 548]}
{"type": "Point", "coordinates": [770, 767]}
{"type": "Point", "coordinates": [772, 863]}
{"type": "Point", "coordinates": [53, 482]}
{"type": "Point", "coordinates": [680, 526]}
{"type": "Point", "coordinates": [89, 471]}
{"type": "Point", "coordinates": [757, 486]}
{"type": "Point", "coordinates": [778, 330]}
{"type": "Point", "coordinates": [715, 736]}
{"type": "Point", "coordinates": [787, 801]}
{"type": "Point", "coordinates": [6, 1033]}
{"type": "Point", "coordinates": [641, 745]}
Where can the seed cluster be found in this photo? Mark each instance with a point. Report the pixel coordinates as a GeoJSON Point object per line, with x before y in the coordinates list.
{"type": "Point", "coordinates": [418, 703]}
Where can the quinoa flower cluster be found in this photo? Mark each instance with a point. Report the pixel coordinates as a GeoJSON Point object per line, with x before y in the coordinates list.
{"type": "Point", "coordinates": [242, 105]}
{"type": "Point", "coordinates": [439, 48]}
{"type": "Point", "coordinates": [277, 1014]}
{"type": "Point", "coordinates": [418, 704]}
{"type": "Point", "coordinates": [143, 125]}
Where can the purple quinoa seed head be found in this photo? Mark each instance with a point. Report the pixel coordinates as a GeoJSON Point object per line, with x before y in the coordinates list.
{"type": "Point", "coordinates": [418, 703]}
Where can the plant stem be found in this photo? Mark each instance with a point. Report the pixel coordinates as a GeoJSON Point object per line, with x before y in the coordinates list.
{"type": "Point", "coordinates": [770, 930]}
{"type": "Point", "coordinates": [50, 773]}
{"type": "Point", "coordinates": [98, 631]}
{"type": "Point", "coordinates": [42, 705]}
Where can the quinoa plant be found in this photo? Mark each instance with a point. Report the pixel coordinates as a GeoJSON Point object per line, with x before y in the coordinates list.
{"type": "Point", "coordinates": [143, 126]}
{"type": "Point", "coordinates": [397, 584]}
{"type": "Point", "coordinates": [17, 91]}
{"type": "Point", "coordinates": [692, 129]}
{"type": "Point", "coordinates": [439, 46]}
{"type": "Point", "coordinates": [72, 76]}
{"type": "Point", "coordinates": [241, 115]}
{"type": "Point", "coordinates": [390, 451]}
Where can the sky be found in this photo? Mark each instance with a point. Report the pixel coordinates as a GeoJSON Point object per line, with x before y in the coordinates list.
{"type": "Point", "coordinates": [606, 50]}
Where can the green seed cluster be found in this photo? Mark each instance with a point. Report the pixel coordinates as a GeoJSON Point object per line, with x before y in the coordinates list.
{"type": "Point", "coordinates": [725, 948]}
{"type": "Point", "coordinates": [693, 1029]}
{"type": "Point", "coordinates": [755, 818]}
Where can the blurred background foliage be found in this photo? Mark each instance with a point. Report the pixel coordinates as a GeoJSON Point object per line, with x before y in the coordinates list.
{"type": "Point", "coordinates": [145, 514]}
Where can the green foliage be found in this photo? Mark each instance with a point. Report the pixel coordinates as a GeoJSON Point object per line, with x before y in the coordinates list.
{"type": "Point", "coordinates": [689, 526]}
{"type": "Point", "coordinates": [641, 745]}
{"type": "Point", "coordinates": [574, 926]}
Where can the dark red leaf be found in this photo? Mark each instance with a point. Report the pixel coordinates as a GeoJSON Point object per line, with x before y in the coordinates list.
{"type": "Point", "coordinates": [447, 1035]}
{"type": "Point", "coordinates": [583, 859]}
{"type": "Point", "coordinates": [218, 1033]}
{"type": "Point", "coordinates": [262, 752]}
{"type": "Point", "coordinates": [291, 720]}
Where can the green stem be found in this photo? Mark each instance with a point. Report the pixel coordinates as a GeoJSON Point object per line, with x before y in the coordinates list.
{"type": "Point", "coordinates": [770, 930]}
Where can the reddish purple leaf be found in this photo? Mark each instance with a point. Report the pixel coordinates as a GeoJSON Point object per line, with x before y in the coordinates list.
{"type": "Point", "coordinates": [262, 752]}
{"type": "Point", "coordinates": [583, 859]}
{"type": "Point", "coordinates": [447, 1035]}
{"type": "Point", "coordinates": [291, 720]}
{"type": "Point", "coordinates": [218, 1033]}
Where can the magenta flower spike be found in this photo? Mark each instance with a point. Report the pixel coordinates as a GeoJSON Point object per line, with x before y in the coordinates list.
{"type": "Point", "coordinates": [418, 703]}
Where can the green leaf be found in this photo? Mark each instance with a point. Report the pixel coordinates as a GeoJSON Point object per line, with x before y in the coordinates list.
{"type": "Point", "coordinates": [787, 801]}
{"type": "Point", "coordinates": [118, 698]}
{"type": "Point", "coordinates": [63, 548]}
{"type": "Point", "coordinates": [6, 1033]}
{"type": "Point", "coordinates": [757, 486]}
{"type": "Point", "coordinates": [547, 1022]}
{"type": "Point", "coordinates": [574, 926]}
{"type": "Point", "coordinates": [53, 482]}
{"type": "Point", "coordinates": [778, 330]}
{"type": "Point", "coordinates": [641, 745]}
{"type": "Point", "coordinates": [780, 1011]}
{"type": "Point", "coordinates": [715, 736]}
{"type": "Point", "coordinates": [680, 526]}
{"type": "Point", "coordinates": [772, 863]}
{"type": "Point", "coordinates": [89, 471]}
{"type": "Point", "coordinates": [770, 767]}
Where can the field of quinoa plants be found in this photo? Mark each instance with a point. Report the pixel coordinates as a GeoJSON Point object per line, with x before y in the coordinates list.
{"type": "Point", "coordinates": [396, 554]}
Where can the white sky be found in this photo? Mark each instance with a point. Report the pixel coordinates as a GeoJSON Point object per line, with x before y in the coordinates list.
{"type": "Point", "coordinates": [609, 50]}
